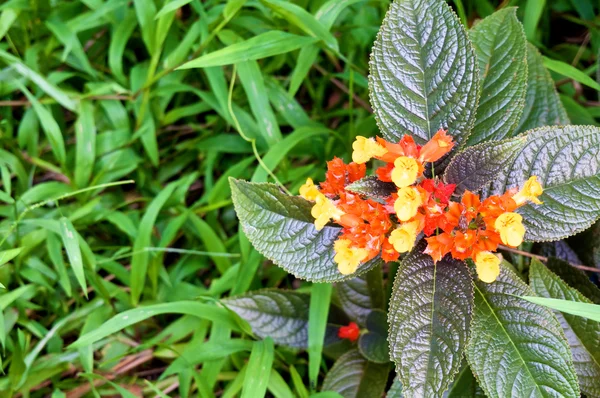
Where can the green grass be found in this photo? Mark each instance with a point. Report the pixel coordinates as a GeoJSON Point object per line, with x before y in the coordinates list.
{"type": "Point", "coordinates": [121, 123]}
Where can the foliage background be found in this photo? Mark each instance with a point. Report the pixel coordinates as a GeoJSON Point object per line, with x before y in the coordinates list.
{"type": "Point", "coordinates": [89, 95]}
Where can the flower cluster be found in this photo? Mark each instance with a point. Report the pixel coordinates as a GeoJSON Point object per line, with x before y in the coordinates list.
{"type": "Point", "coordinates": [389, 226]}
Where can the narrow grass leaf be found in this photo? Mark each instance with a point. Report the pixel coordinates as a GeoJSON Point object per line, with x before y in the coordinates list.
{"type": "Point", "coordinates": [7, 255]}
{"type": "Point", "coordinates": [586, 310]}
{"type": "Point", "coordinates": [531, 17]}
{"type": "Point", "coordinates": [133, 316]}
{"type": "Point", "coordinates": [320, 297]}
{"type": "Point", "coordinates": [278, 386]}
{"type": "Point", "coordinates": [261, 46]}
{"type": "Point", "coordinates": [139, 262]}
{"type": "Point", "coordinates": [56, 257]}
{"type": "Point", "coordinates": [120, 36]}
{"type": "Point", "coordinates": [70, 240]}
{"type": "Point", "coordinates": [171, 6]}
{"type": "Point", "coordinates": [571, 72]}
{"type": "Point", "coordinates": [259, 366]}
{"type": "Point", "coordinates": [7, 18]}
{"type": "Point", "coordinates": [85, 147]}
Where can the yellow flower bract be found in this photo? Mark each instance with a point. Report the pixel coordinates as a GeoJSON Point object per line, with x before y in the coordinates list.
{"type": "Point", "coordinates": [309, 190]}
{"type": "Point", "coordinates": [366, 148]}
{"type": "Point", "coordinates": [348, 258]}
{"type": "Point", "coordinates": [530, 192]}
{"type": "Point", "coordinates": [324, 210]}
{"type": "Point", "coordinates": [511, 229]}
{"type": "Point", "coordinates": [407, 204]}
{"type": "Point", "coordinates": [403, 238]}
{"type": "Point", "coordinates": [488, 266]}
{"type": "Point", "coordinates": [405, 172]}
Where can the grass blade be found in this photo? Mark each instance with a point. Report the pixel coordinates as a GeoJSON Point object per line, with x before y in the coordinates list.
{"type": "Point", "coordinates": [70, 240]}
{"type": "Point", "coordinates": [571, 72]}
{"type": "Point", "coordinates": [320, 297]}
{"type": "Point", "coordinates": [585, 310]}
{"type": "Point", "coordinates": [259, 366]}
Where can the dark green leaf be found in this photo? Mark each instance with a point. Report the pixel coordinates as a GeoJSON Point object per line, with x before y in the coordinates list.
{"type": "Point", "coordinates": [568, 166]}
{"type": "Point", "coordinates": [542, 104]}
{"type": "Point", "coordinates": [352, 376]}
{"type": "Point", "coordinates": [373, 187]}
{"type": "Point", "coordinates": [574, 278]}
{"type": "Point", "coordinates": [395, 390]}
{"type": "Point", "coordinates": [465, 386]}
{"type": "Point", "coordinates": [281, 228]}
{"type": "Point", "coordinates": [429, 317]}
{"type": "Point", "coordinates": [362, 294]}
{"type": "Point", "coordinates": [477, 166]}
{"type": "Point", "coordinates": [518, 348]}
{"type": "Point", "coordinates": [416, 84]}
{"type": "Point", "coordinates": [373, 345]}
{"type": "Point", "coordinates": [500, 46]}
{"type": "Point", "coordinates": [582, 334]}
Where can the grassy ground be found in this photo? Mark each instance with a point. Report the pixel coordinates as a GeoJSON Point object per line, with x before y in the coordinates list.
{"type": "Point", "coordinates": [116, 164]}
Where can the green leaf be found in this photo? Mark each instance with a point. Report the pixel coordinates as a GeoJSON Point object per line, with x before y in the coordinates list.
{"type": "Point", "coordinates": [465, 386]}
{"type": "Point", "coordinates": [566, 161]}
{"type": "Point", "coordinates": [85, 135]}
{"type": "Point", "coordinates": [416, 84]}
{"type": "Point", "coordinates": [518, 348]}
{"type": "Point", "coordinates": [429, 317]}
{"type": "Point", "coordinates": [276, 313]}
{"type": "Point", "coordinates": [372, 187]}
{"type": "Point", "coordinates": [359, 296]}
{"type": "Point", "coordinates": [320, 298]}
{"type": "Point", "coordinates": [133, 316]}
{"type": "Point", "coordinates": [585, 310]}
{"type": "Point", "coordinates": [500, 46]}
{"type": "Point", "coordinates": [304, 20]}
{"type": "Point", "coordinates": [171, 6]}
{"type": "Point", "coordinates": [373, 345]}
{"type": "Point", "coordinates": [395, 390]}
{"type": "Point", "coordinates": [7, 255]}
{"type": "Point", "coordinates": [574, 278]}
{"type": "Point", "coordinates": [571, 72]}
{"type": "Point", "coordinates": [261, 46]}
{"type": "Point", "coordinates": [352, 376]}
{"type": "Point", "coordinates": [476, 166]}
{"type": "Point", "coordinates": [259, 366]}
{"type": "Point", "coordinates": [70, 239]}
{"type": "Point", "coordinates": [542, 103]}
{"type": "Point", "coordinates": [582, 334]}
{"type": "Point", "coordinates": [140, 259]}
{"type": "Point", "coordinates": [282, 229]}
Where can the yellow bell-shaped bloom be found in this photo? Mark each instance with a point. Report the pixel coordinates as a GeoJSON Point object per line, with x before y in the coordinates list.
{"type": "Point", "coordinates": [511, 229]}
{"type": "Point", "coordinates": [348, 258]}
{"type": "Point", "coordinates": [488, 266]}
{"type": "Point", "coordinates": [309, 190]}
{"type": "Point", "coordinates": [324, 210]}
{"type": "Point", "coordinates": [530, 192]}
{"type": "Point", "coordinates": [408, 203]}
{"type": "Point", "coordinates": [403, 238]}
{"type": "Point", "coordinates": [405, 172]}
{"type": "Point", "coordinates": [366, 148]}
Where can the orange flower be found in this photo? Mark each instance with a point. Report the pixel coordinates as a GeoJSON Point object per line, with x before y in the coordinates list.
{"type": "Point", "coordinates": [350, 332]}
{"type": "Point", "coordinates": [339, 175]}
{"type": "Point", "coordinates": [388, 253]}
{"type": "Point", "coordinates": [439, 245]}
{"type": "Point", "coordinates": [463, 244]}
{"type": "Point", "coordinates": [438, 146]}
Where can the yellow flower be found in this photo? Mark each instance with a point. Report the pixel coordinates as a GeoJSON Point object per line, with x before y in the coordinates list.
{"type": "Point", "coordinates": [530, 192]}
{"type": "Point", "coordinates": [511, 229]}
{"type": "Point", "coordinates": [405, 171]}
{"type": "Point", "coordinates": [403, 238]}
{"type": "Point", "coordinates": [365, 149]}
{"type": "Point", "coordinates": [407, 204]}
{"type": "Point", "coordinates": [324, 210]}
{"type": "Point", "coordinates": [488, 266]}
{"type": "Point", "coordinates": [309, 190]}
{"type": "Point", "coordinates": [348, 258]}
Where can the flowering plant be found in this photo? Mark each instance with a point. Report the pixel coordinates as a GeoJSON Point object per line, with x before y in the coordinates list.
{"type": "Point", "coordinates": [465, 169]}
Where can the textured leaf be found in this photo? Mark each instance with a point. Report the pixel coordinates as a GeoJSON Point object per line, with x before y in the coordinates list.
{"type": "Point", "coordinates": [478, 165]}
{"type": "Point", "coordinates": [582, 334]}
{"type": "Point", "coordinates": [423, 72]}
{"type": "Point", "coordinates": [395, 390]}
{"type": "Point", "coordinates": [352, 376]}
{"type": "Point", "coordinates": [574, 278]}
{"type": "Point", "coordinates": [429, 317]}
{"type": "Point", "coordinates": [517, 348]}
{"type": "Point", "coordinates": [542, 103]}
{"type": "Point", "coordinates": [372, 187]}
{"type": "Point", "coordinates": [373, 345]}
{"type": "Point", "coordinates": [465, 386]}
{"type": "Point", "coordinates": [358, 297]}
{"type": "Point", "coordinates": [500, 45]}
{"type": "Point", "coordinates": [588, 245]}
{"type": "Point", "coordinates": [567, 161]}
{"type": "Point", "coordinates": [279, 314]}
{"type": "Point", "coordinates": [281, 228]}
